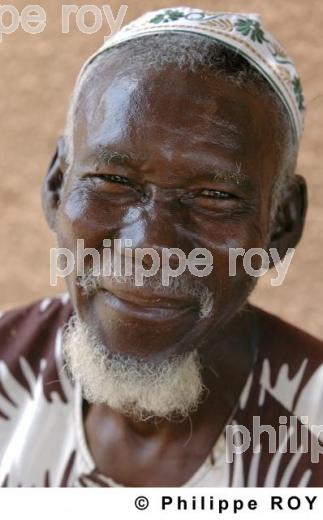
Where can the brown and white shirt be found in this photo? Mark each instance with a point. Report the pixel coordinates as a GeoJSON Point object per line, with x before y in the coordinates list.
{"type": "Point", "coordinates": [42, 438]}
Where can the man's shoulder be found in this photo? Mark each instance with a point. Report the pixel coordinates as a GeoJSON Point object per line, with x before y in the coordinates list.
{"type": "Point", "coordinates": [29, 336]}
{"type": "Point", "coordinates": [44, 306]}
{"type": "Point", "coordinates": [291, 366]}
{"type": "Point", "coordinates": [284, 398]}
{"type": "Point", "coordinates": [281, 337]}
{"type": "Point", "coordinates": [24, 325]}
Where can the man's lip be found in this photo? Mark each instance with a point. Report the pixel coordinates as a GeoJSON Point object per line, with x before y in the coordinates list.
{"type": "Point", "coordinates": [145, 304]}
{"type": "Point", "coordinates": [147, 296]}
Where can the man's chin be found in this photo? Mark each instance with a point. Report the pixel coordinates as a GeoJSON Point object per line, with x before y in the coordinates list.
{"type": "Point", "coordinates": [171, 388]}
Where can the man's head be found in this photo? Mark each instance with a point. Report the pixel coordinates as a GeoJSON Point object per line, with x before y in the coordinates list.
{"type": "Point", "coordinates": [173, 141]}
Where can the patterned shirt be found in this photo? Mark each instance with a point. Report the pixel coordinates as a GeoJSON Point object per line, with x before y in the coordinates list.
{"type": "Point", "coordinates": [42, 435]}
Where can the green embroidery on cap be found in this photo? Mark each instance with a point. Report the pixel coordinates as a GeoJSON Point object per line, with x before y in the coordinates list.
{"type": "Point", "coordinates": [167, 16]}
{"type": "Point", "coordinates": [251, 28]}
{"type": "Point", "coordinates": [298, 92]}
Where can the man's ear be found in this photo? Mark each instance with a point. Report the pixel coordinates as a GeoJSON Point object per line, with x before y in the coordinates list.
{"type": "Point", "coordinates": [289, 222]}
{"type": "Point", "coordinates": [53, 181]}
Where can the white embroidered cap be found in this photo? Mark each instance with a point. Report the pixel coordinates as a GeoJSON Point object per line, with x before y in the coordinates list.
{"type": "Point", "coordinates": [244, 32]}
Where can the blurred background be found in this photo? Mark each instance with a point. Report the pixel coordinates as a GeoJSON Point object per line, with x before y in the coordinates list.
{"type": "Point", "coordinates": [36, 80]}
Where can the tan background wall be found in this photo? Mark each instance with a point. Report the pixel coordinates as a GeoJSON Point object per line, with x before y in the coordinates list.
{"type": "Point", "coordinates": [36, 78]}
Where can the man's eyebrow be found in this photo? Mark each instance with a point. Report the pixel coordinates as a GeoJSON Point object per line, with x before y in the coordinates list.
{"type": "Point", "coordinates": [234, 175]}
{"type": "Point", "coordinates": [108, 156]}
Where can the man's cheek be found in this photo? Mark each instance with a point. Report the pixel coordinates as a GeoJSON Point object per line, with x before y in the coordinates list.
{"type": "Point", "coordinates": [230, 277]}
{"type": "Point", "coordinates": [80, 217]}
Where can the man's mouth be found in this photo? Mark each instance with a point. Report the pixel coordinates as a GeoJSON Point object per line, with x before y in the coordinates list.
{"type": "Point", "coordinates": [144, 303]}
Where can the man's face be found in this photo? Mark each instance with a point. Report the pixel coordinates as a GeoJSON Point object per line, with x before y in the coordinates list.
{"type": "Point", "coordinates": [168, 159]}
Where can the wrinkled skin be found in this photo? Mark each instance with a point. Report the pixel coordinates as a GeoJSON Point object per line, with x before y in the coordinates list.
{"type": "Point", "coordinates": [185, 133]}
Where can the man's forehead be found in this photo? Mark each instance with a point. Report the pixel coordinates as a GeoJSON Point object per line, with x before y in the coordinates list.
{"type": "Point", "coordinates": [171, 103]}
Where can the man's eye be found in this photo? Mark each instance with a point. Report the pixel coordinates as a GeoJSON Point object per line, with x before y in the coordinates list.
{"type": "Point", "coordinates": [216, 194]}
{"type": "Point", "coordinates": [113, 178]}
{"type": "Point", "coordinates": [214, 200]}
{"type": "Point", "coordinates": [110, 182]}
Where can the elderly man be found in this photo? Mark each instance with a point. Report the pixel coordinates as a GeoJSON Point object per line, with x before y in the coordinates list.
{"type": "Point", "coordinates": [183, 132]}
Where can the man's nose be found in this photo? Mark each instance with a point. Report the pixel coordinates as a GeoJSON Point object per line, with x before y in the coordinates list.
{"type": "Point", "coordinates": [158, 227]}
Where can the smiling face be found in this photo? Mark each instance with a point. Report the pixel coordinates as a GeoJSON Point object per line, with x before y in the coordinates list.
{"type": "Point", "coordinates": [168, 159]}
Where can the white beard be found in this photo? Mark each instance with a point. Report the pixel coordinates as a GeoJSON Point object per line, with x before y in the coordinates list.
{"type": "Point", "coordinates": [140, 389]}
